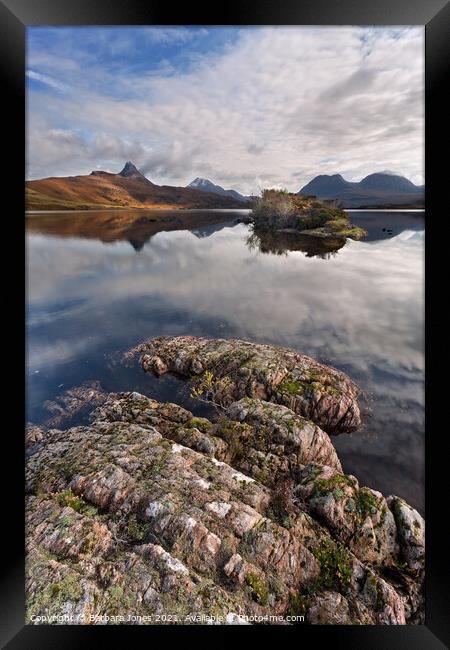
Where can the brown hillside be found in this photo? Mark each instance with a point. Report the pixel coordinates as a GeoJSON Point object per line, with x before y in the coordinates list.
{"type": "Point", "coordinates": [105, 190]}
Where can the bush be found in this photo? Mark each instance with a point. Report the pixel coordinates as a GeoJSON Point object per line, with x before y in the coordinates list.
{"type": "Point", "coordinates": [278, 210]}
{"type": "Point", "coordinates": [274, 209]}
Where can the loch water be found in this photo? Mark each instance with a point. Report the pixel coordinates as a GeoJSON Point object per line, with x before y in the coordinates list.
{"type": "Point", "coordinates": [93, 291]}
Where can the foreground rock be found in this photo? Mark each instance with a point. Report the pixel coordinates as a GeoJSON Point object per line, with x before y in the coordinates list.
{"type": "Point", "coordinates": [267, 441]}
{"type": "Point", "coordinates": [147, 510]}
{"type": "Point", "coordinates": [228, 370]}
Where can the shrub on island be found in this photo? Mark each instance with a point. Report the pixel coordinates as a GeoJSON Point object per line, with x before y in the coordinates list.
{"type": "Point", "coordinates": [278, 210]}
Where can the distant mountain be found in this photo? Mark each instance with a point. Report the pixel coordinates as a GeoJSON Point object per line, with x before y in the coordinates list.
{"type": "Point", "coordinates": [127, 189]}
{"type": "Point", "coordinates": [389, 182]}
{"type": "Point", "coordinates": [205, 185]}
{"type": "Point", "coordinates": [326, 185]}
{"type": "Point", "coordinates": [379, 189]}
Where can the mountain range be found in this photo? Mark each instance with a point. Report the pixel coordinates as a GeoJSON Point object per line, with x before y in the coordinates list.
{"type": "Point", "coordinates": [131, 189]}
{"type": "Point", "coordinates": [127, 189]}
{"type": "Point", "coordinates": [375, 190]}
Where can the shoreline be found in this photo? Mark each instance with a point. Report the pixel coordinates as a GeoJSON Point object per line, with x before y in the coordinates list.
{"type": "Point", "coordinates": [175, 209]}
{"type": "Point", "coordinates": [384, 209]}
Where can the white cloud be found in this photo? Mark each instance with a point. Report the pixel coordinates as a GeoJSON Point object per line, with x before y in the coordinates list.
{"type": "Point", "coordinates": [45, 79]}
{"type": "Point", "coordinates": [172, 34]}
{"type": "Point", "coordinates": [278, 106]}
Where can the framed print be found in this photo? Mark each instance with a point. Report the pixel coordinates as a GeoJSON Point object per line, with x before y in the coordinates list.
{"type": "Point", "coordinates": [229, 429]}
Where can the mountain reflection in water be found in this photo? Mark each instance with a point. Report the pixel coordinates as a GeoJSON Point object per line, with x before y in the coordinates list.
{"type": "Point", "coordinates": [360, 308]}
{"type": "Point", "coordinates": [134, 226]}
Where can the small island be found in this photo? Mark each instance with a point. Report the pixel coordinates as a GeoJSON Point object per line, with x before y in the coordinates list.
{"type": "Point", "coordinates": [282, 211]}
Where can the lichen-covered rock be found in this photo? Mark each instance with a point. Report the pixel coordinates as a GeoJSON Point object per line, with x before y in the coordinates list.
{"type": "Point", "coordinates": [275, 429]}
{"type": "Point", "coordinates": [147, 514]}
{"type": "Point", "coordinates": [379, 602]}
{"type": "Point", "coordinates": [411, 532]}
{"type": "Point", "coordinates": [264, 440]}
{"type": "Point", "coordinates": [56, 592]}
{"type": "Point", "coordinates": [243, 369]}
{"type": "Point", "coordinates": [361, 596]}
{"type": "Point", "coordinates": [65, 533]}
{"type": "Point", "coordinates": [329, 608]}
{"type": "Point", "coordinates": [114, 486]}
{"type": "Point", "coordinates": [33, 435]}
{"type": "Point", "coordinates": [358, 517]}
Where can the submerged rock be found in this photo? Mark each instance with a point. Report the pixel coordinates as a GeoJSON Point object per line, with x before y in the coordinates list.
{"type": "Point", "coordinates": [73, 403]}
{"type": "Point", "coordinates": [243, 369]}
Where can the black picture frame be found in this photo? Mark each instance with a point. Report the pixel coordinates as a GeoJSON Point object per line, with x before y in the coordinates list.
{"type": "Point", "coordinates": [15, 16]}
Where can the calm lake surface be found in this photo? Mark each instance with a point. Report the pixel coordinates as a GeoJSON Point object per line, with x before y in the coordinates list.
{"type": "Point", "coordinates": [359, 308]}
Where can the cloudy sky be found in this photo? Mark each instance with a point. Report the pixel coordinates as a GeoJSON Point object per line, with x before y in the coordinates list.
{"type": "Point", "coordinates": [245, 107]}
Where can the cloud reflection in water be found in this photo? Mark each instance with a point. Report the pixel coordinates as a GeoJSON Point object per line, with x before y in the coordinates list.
{"type": "Point", "coordinates": [360, 310]}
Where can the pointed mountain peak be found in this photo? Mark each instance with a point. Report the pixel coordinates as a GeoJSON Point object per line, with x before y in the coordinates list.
{"type": "Point", "coordinates": [130, 170]}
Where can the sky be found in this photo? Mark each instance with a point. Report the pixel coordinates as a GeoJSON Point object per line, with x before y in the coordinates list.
{"type": "Point", "coordinates": [245, 107]}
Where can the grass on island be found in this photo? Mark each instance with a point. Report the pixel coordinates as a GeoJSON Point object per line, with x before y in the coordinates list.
{"type": "Point", "coordinates": [281, 210]}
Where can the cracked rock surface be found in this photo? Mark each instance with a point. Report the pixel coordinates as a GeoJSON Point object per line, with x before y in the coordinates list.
{"type": "Point", "coordinates": [148, 510]}
{"type": "Point", "coordinates": [268, 372]}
